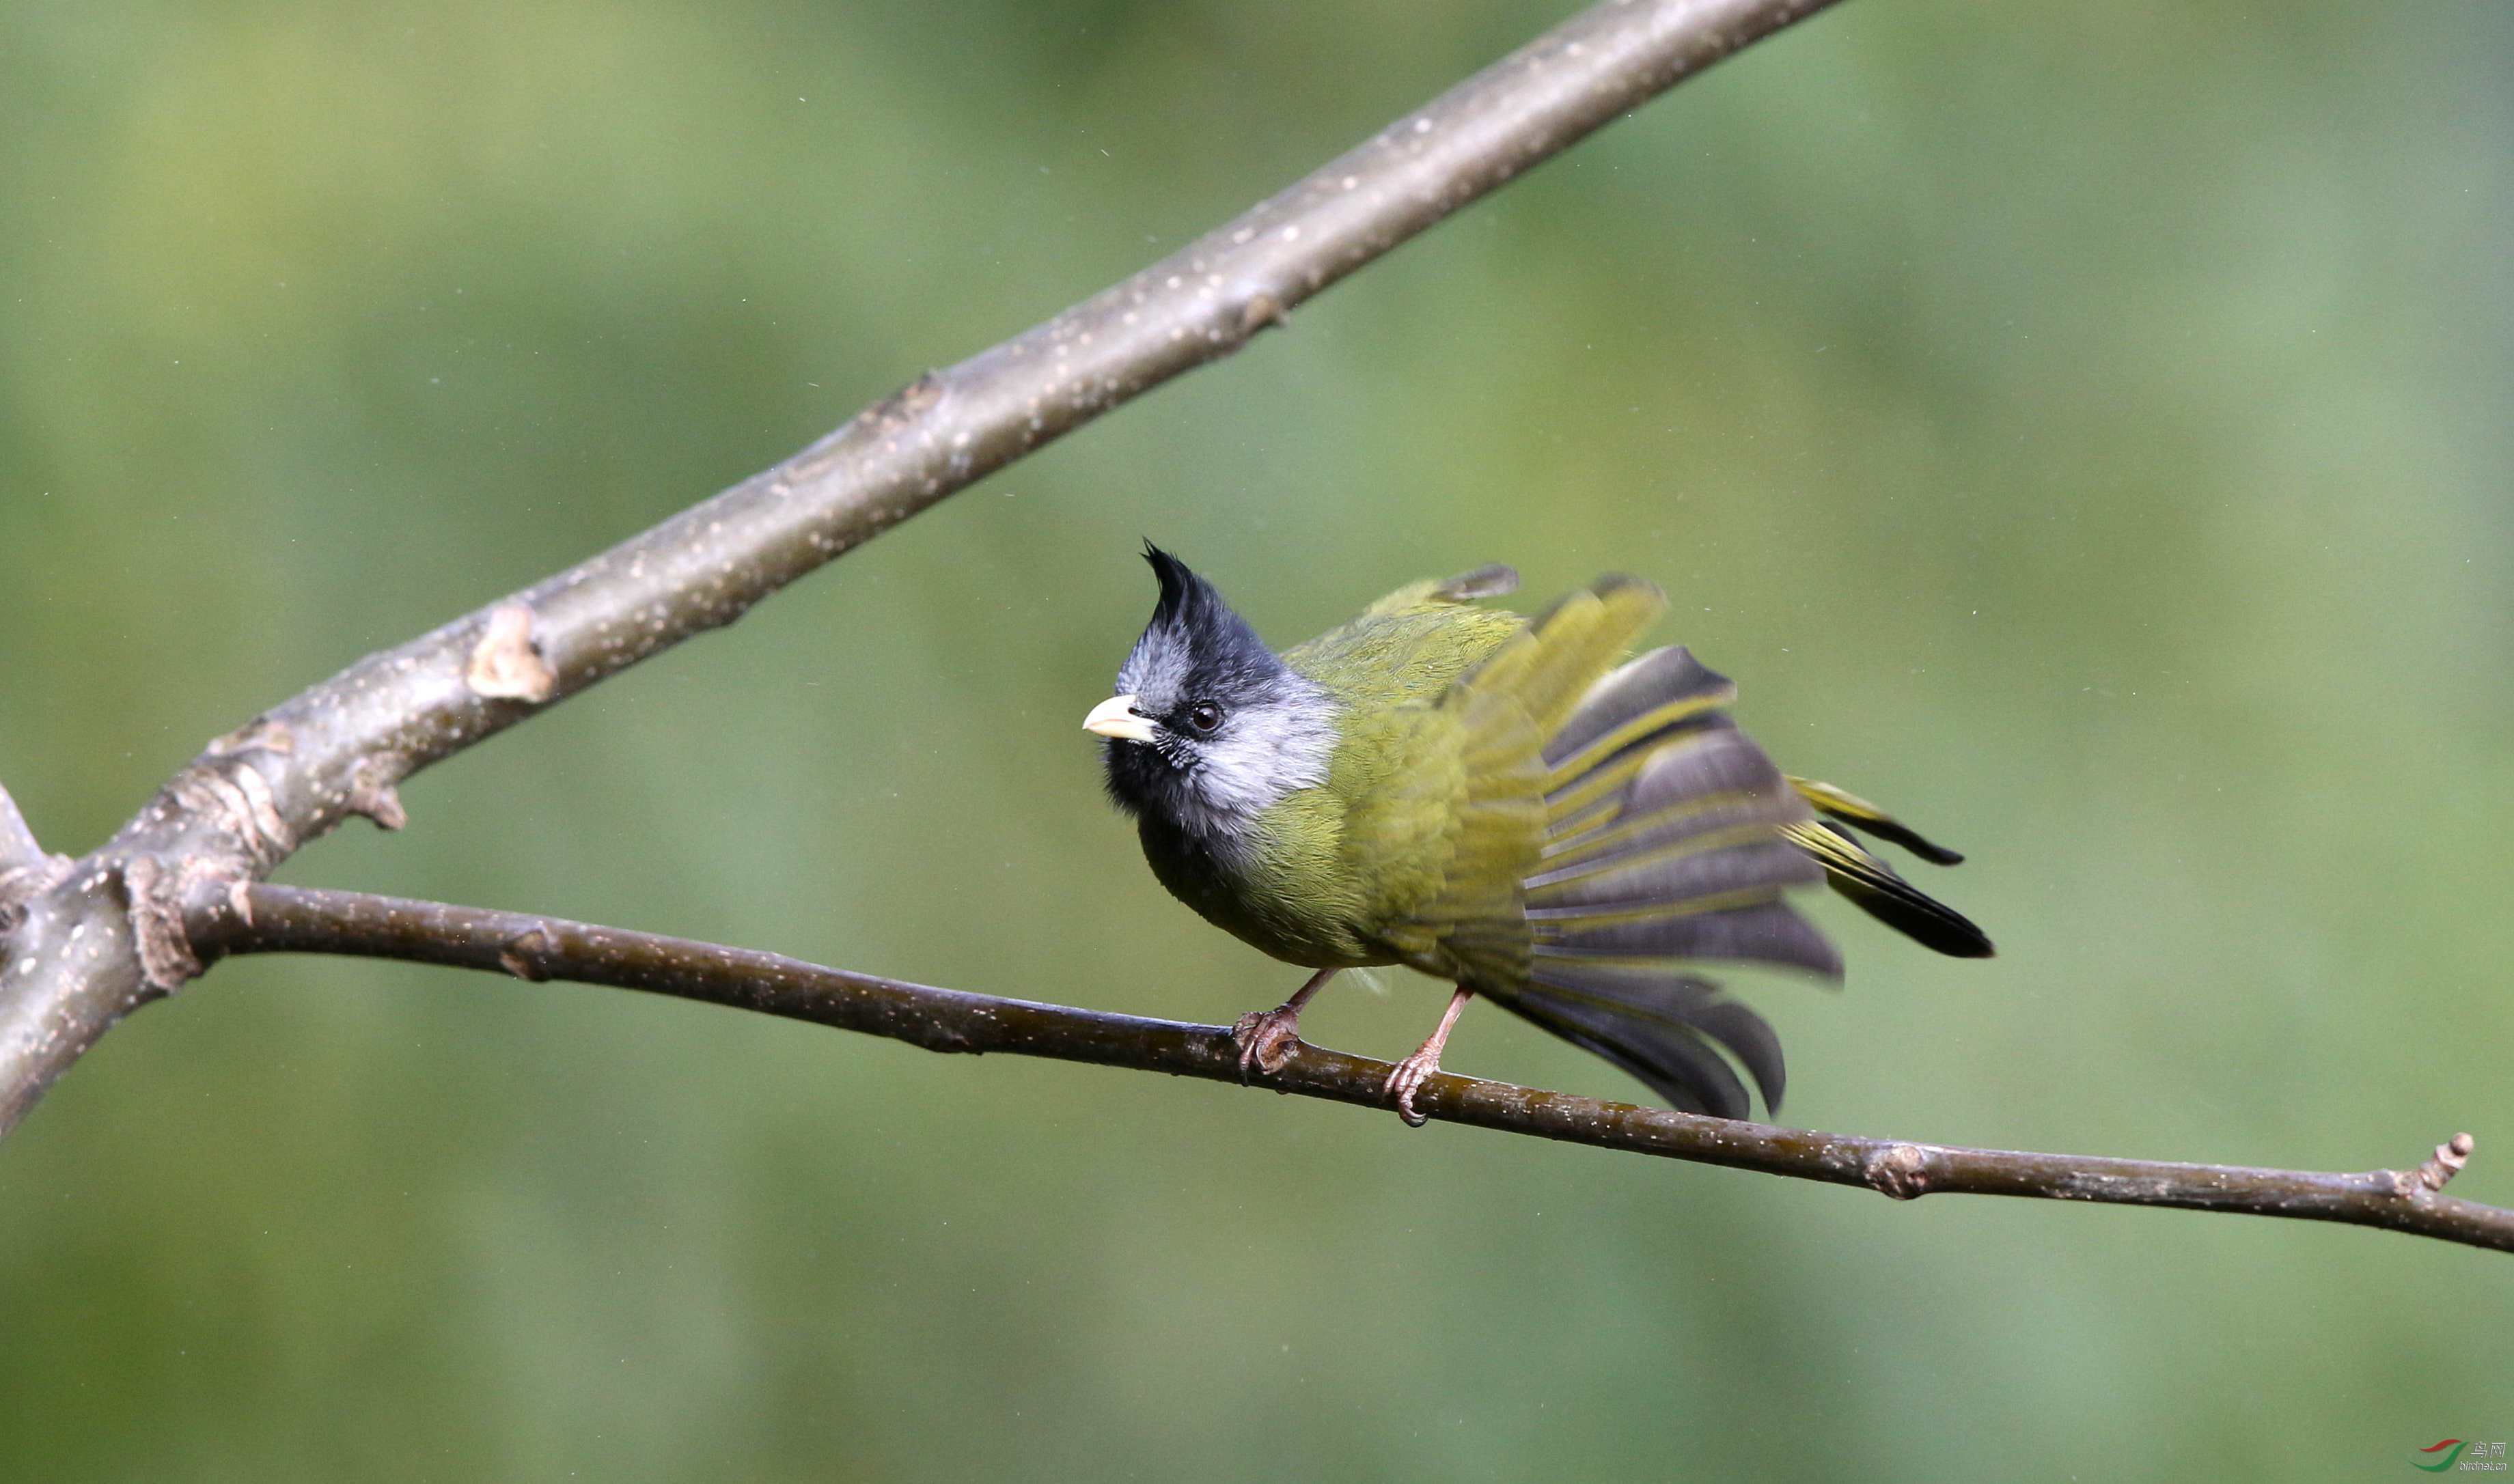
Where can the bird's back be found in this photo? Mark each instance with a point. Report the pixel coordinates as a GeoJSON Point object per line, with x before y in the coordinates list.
{"type": "Point", "coordinates": [1410, 646]}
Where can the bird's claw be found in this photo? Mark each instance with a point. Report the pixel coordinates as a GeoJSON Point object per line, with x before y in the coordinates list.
{"type": "Point", "coordinates": [1407, 1078]}
{"type": "Point", "coordinates": [1266, 1039]}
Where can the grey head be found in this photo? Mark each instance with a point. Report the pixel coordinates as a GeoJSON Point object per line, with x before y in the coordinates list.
{"type": "Point", "coordinates": [1208, 728]}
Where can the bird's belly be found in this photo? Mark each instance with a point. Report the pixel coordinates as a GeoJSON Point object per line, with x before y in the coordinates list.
{"type": "Point", "coordinates": [1262, 900]}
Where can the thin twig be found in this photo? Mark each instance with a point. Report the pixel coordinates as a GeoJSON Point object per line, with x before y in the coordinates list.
{"type": "Point", "coordinates": [18, 845]}
{"type": "Point", "coordinates": [76, 963]}
{"type": "Point", "coordinates": [25, 870]}
{"type": "Point", "coordinates": [296, 919]}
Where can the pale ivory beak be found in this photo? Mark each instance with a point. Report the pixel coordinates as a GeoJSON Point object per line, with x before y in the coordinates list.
{"type": "Point", "coordinates": [1116, 717]}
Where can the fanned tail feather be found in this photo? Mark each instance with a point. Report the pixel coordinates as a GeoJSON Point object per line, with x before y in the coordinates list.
{"type": "Point", "coordinates": [1668, 840]}
{"type": "Point", "coordinates": [1881, 891]}
{"type": "Point", "coordinates": [1664, 848]}
{"type": "Point", "coordinates": [1850, 809]}
{"type": "Point", "coordinates": [1658, 1026]}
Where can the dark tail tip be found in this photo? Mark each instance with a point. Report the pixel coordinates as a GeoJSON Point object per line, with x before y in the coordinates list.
{"type": "Point", "coordinates": [1920, 918]}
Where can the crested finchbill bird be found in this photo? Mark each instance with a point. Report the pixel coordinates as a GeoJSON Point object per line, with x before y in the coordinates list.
{"type": "Point", "coordinates": [1502, 802]}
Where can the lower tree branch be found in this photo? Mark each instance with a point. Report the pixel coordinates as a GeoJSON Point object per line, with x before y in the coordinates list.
{"type": "Point", "coordinates": [296, 919]}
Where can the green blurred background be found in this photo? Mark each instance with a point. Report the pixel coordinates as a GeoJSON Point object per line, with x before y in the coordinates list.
{"type": "Point", "coordinates": [2087, 430]}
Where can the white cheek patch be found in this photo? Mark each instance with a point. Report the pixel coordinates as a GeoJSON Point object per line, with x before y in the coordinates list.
{"type": "Point", "coordinates": [1267, 752]}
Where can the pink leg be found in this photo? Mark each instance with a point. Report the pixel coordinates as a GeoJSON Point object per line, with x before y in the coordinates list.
{"type": "Point", "coordinates": [1411, 1073]}
{"type": "Point", "coordinates": [1266, 1037]}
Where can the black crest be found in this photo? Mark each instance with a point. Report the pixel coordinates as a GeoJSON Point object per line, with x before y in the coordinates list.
{"type": "Point", "coordinates": [1195, 644]}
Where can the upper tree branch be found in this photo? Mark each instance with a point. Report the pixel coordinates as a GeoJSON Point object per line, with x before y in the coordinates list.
{"type": "Point", "coordinates": [108, 937]}
{"type": "Point", "coordinates": [295, 919]}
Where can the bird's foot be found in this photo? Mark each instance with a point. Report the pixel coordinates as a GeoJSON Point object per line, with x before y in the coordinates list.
{"type": "Point", "coordinates": [1266, 1039]}
{"type": "Point", "coordinates": [1407, 1080]}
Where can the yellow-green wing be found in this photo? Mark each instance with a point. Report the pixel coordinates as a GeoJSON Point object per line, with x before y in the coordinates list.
{"type": "Point", "coordinates": [1469, 808]}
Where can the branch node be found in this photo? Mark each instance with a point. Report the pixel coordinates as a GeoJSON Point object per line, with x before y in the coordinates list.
{"type": "Point", "coordinates": [506, 664]}
{"type": "Point", "coordinates": [167, 961]}
{"type": "Point", "coordinates": [270, 834]}
{"type": "Point", "coordinates": [372, 793]}
{"type": "Point", "coordinates": [1899, 1173]}
{"type": "Point", "coordinates": [22, 884]}
{"type": "Point", "coordinates": [1262, 310]}
{"type": "Point", "coordinates": [910, 401]}
{"type": "Point", "coordinates": [262, 733]}
{"type": "Point", "coordinates": [2443, 1165]}
{"type": "Point", "coordinates": [238, 800]}
{"type": "Point", "coordinates": [521, 957]}
{"type": "Point", "coordinates": [915, 397]}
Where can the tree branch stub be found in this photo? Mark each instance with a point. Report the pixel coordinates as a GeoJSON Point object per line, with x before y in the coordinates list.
{"type": "Point", "coordinates": [26, 870]}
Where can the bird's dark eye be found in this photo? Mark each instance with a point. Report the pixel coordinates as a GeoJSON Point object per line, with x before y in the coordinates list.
{"type": "Point", "coordinates": [1204, 718]}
